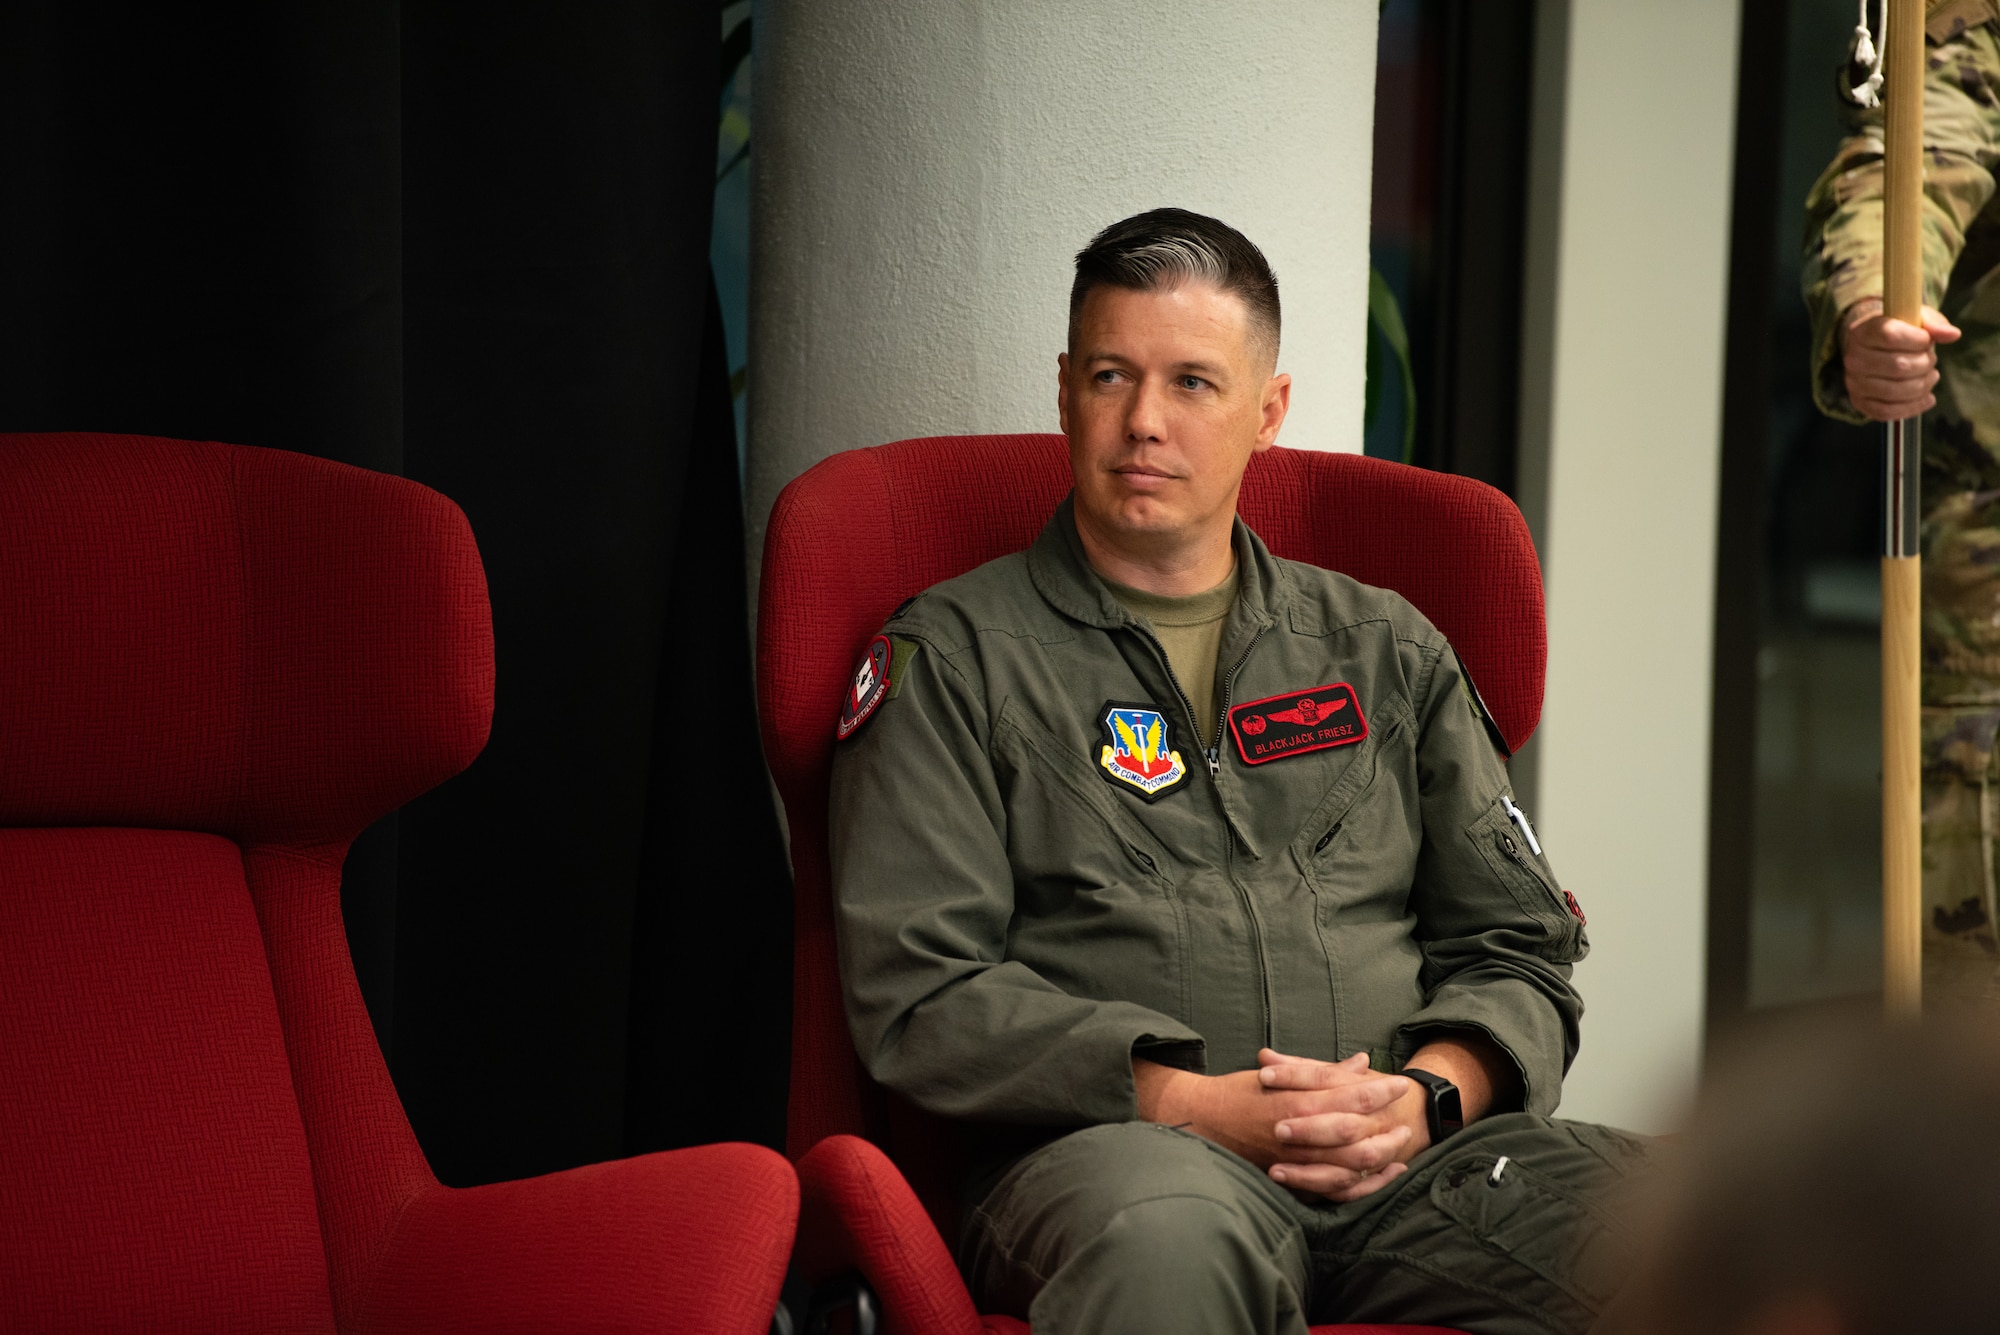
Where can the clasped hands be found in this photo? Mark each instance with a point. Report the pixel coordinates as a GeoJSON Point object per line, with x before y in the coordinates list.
{"type": "Point", "coordinates": [1332, 1129]}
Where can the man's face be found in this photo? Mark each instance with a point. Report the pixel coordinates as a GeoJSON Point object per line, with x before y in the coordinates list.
{"type": "Point", "coordinates": [1164, 398]}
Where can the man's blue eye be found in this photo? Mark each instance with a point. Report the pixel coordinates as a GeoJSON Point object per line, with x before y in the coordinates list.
{"type": "Point", "coordinates": [1192, 382]}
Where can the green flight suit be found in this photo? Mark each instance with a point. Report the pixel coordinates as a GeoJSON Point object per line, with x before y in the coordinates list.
{"type": "Point", "coordinates": [1027, 895]}
{"type": "Point", "coordinates": [1961, 458]}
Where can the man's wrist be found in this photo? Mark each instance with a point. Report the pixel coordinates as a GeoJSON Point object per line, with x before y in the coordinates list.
{"type": "Point", "coordinates": [1443, 1109]}
{"type": "Point", "coordinates": [1165, 1094]}
{"type": "Point", "coordinates": [1411, 1113]}
{"type": "Point", "coordinates": [1487, 1078]}
{"type": "Point", "coordinates": [1860, 312]}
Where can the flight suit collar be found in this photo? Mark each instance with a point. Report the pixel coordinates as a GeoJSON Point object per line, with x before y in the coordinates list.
{"type": "Point", "coordinates": [1064, 577]}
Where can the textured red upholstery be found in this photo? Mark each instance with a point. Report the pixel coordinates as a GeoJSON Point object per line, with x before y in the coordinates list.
{"type": "Point", "coordinates": [860, 532]}
{"type": "Point", "coordinates": [217, 665]}
{"type": "Point", "coordinates": [153, 1163]}
{"type": "Point", "coordinates": [691, 1241]}
{"type": "Point", "coordinates": [203, 659]}
{"type": "Point", "coordinates": [857, 1212]}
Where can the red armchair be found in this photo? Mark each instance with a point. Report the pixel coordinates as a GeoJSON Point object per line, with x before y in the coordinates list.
{"type": "Point", "coordinates": [852, 538]}
{"type": "Point", "coordinates": [217, 665]}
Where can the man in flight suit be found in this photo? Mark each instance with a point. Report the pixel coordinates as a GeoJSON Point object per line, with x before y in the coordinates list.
{"type": "Point", "coordinates": [1154, 856]}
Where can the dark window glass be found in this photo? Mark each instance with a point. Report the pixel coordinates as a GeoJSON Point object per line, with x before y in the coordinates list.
{"type": "Point", "coordinates": [1796, 821]}
{"type": "Point", "coordinates": [1448, 209]}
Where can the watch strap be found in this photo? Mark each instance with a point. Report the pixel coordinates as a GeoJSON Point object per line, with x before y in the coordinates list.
{"type": "Point", "coordinates": [1444, 1110]}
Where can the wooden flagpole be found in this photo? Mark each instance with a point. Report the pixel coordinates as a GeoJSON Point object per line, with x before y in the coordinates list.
{"type": "Point", "coordinates": [1902, 299]}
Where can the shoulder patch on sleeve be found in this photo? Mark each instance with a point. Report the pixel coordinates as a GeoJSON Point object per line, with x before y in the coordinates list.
{"type": "Point", "coordinates": [867, 688]}
{"type": "Point", "coordinates": [1481, 712]}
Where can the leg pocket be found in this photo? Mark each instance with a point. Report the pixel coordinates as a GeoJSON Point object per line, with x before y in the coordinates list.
{"type": "Point", "coordinates": [1538, 1222]}
{"type": "Point", "coordinates": [1539, 1246]}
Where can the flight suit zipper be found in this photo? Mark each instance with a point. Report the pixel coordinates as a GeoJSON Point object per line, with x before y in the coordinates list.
{"type": "Point", "coordinates": [1187, 709]}
{"type": "Point", "coordinates": [1228, 693]}
{"type": "Point", "coordinates": [1229, 831]}
{"type": "Point", "coordinates": [1214, 758]}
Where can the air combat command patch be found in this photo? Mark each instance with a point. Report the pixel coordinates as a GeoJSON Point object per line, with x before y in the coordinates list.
{"type": "Point", "coordinates": [1297, 722]}
{"type": "Point", "coordinates": [1139, 751]}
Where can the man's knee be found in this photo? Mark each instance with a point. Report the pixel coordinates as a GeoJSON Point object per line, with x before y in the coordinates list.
{"type": "Point", "coordinates": [1180, 1263]}
{"type": "Point", "coordinates": [1134, 1216]}
{"type": "Point", "coordinates": [1076, 1185]}
{"type": "Point", "coordinates": [1190, 1244]}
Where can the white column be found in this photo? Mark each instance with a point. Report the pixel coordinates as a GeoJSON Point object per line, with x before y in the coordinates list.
{"type": "Point", "coordinates": [1621, 448]}
{"type": "Point", "coordinates": [924, 174]}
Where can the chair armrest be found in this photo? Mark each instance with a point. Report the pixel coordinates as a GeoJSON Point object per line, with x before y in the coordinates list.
{"type": "Point", "coordinates": [857, 1213]}
{"type": "Point", "coordinates": [690, 1241]}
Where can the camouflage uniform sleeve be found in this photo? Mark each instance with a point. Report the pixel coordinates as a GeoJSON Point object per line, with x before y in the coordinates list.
{"type": "Point", "coordinates": [1843, 236]}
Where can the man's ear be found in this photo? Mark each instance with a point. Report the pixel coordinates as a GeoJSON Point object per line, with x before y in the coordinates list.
{"type": "Point", "coordinates": [1277, 402]}
{"type": "Point", "coordinates": [1062, 391]}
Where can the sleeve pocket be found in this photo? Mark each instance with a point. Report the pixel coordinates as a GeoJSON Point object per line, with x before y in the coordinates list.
{"type": "Point", "coordinates": [1532, 884]}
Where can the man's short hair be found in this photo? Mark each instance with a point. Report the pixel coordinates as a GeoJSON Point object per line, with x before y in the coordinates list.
{"type": "Point", "coordinates": [1162, 248]}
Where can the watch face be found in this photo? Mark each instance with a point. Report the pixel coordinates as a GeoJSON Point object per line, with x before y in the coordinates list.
{"type": "Point", "coordinates": [1451, 1110]}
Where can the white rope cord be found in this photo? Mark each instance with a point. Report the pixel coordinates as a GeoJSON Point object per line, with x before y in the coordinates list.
{"type": "Point", "coordinates": [1866, 53]}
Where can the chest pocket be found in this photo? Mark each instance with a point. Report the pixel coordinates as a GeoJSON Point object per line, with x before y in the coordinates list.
{"type": "Point", "coordinates": [1096, 912]}
{"type": "Point", "coordinates": [1361, 831]}
{"type": "Point", "coordinates": [1064, 829]}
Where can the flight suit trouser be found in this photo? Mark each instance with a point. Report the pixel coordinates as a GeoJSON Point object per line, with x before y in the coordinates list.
{"type": "Point", "coordinates": [1143, 1228]}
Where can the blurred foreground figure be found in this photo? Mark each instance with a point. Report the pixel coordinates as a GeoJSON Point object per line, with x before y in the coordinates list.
{"type": "Point", "coordinates": [1834, 1183]}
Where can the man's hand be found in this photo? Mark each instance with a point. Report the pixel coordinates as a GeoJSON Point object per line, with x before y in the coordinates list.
{"type": "Point", "coordinates": [1485, 1075]}
{"type": "Point", "coordinates": [1891, 366]}
{"type": "Point", "coordinates": [1357, 1144]}
{"type": "Point", "coordinates": [1309, 1134]}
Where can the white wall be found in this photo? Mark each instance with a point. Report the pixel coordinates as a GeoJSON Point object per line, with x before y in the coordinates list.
{"type": "Point", "coordinates": [1621, 445]}
{"type": "Point", "coordinates": [924, 174]}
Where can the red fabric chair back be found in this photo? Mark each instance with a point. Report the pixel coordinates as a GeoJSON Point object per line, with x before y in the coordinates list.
{"type": "Point", "coordinates": [217, 665]}
{"type": "Point", "coordinates": [861, 531]}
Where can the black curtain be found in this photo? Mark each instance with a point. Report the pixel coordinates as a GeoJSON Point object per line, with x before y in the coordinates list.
{"type": "Point", "coordinates": [466, 243]}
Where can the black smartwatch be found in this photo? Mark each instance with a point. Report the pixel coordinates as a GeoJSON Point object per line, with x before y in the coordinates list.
{"type": "Point", "coordinates": [1442, 1108]}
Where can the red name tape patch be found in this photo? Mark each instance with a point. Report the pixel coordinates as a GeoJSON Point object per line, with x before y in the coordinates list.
{"type": "Point", "coordinates": [1297, 722]}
